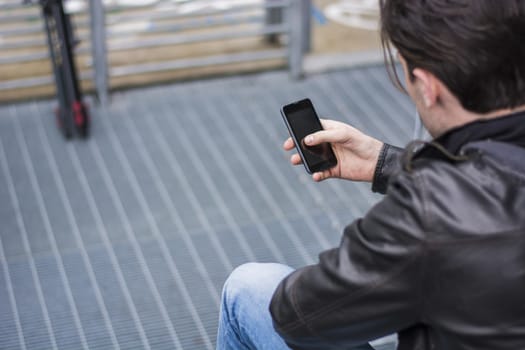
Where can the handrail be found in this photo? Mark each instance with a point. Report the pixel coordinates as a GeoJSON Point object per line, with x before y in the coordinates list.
{"type": "Point", "coordinates": [98, 35]}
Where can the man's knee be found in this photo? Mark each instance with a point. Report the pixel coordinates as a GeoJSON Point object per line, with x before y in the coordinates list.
{"type": "Point", "coordinates": [253, 282]}
{"type": "Point", "coordinates": [242, 276]}
{"type": "Point", "coordinates": [245, 316]}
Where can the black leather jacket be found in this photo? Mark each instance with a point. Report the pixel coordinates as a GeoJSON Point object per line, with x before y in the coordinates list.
{"type": "Point", "coordinates": [440, 259]}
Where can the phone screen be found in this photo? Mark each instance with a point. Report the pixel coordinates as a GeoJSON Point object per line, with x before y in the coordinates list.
{"type": "Point", "coordinates": [302, 120]}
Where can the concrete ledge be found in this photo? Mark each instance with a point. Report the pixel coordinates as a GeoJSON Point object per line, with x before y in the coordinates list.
{"type": "Point", "coordinates": [320, 63]}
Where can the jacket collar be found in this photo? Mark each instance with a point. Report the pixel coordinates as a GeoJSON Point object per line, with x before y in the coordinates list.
{"type": "Point", "coordinates": [508, 129]}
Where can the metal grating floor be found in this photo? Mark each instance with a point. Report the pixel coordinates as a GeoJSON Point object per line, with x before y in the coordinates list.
{"type": "Point", "coordinates": [124, 241]}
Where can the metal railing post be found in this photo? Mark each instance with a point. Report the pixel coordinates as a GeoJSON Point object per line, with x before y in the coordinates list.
{"type": "Point", "coordinates": [306, 8]}
{"type": "Point", "coordinates": [98, 50]}
{"type": "Point", "coordinates": [273, 16]}
{"type": "Point", "coordinates": [282, 19]}
{"type": "Point", "coordinates": [296, 39]}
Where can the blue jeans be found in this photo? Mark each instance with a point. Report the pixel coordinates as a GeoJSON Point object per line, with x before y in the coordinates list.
{"type": "Point", "coordinates": [245, 321]}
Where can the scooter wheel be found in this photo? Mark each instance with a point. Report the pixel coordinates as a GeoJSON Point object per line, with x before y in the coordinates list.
{"type": "Point", "coordinates": [63, 126]}
{"type": "Point", "coordinates": [81, 118]}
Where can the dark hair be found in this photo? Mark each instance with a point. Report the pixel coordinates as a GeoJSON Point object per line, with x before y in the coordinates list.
{"type": "Point", "coordinates": [475, 47]}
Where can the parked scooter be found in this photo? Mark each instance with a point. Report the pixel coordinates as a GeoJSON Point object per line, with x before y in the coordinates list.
{"type": "Point", "coordinates": [72, 113]}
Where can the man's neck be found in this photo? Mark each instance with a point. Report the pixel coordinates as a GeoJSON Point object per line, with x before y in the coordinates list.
{"type": "Point", "coordinates": [508, 129]}
{"type": "Point", "coordinates": [462, 117]}
{"type": "Point", "coordinates": [501, 112]}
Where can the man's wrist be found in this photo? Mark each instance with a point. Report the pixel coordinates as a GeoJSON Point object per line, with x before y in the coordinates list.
{"type": "Point", "coordinates": [387, 164]}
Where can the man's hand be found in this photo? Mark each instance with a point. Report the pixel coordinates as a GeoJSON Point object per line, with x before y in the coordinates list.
{"type": "Point", "coordinates": [356, 152]}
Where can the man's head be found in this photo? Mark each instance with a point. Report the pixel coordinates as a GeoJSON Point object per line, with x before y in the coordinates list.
{"type": "Point", "coordinates": [473, 49]}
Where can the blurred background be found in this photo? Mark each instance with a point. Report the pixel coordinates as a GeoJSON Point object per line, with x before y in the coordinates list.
{"type": "Point", "coordinates": [123, 239]}
{"type": "Point", "coordinates": [147, 41]}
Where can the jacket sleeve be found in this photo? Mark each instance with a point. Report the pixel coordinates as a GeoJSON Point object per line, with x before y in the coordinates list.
{"type": "Point", "coordinates": [366, 288]}
{"type": "Point", "coordinates": [388, 164]}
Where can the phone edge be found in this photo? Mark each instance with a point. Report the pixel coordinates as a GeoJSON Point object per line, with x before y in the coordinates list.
{"type": "Point", "coordinates": [292, 135]}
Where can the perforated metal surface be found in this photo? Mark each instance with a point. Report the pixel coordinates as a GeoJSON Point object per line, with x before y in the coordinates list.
{"type": "Point", "coordinates": [124, 240]}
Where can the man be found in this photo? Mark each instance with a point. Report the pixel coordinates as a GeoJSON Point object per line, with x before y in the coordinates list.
{"type": "Point", "coordinates": [440, 260]}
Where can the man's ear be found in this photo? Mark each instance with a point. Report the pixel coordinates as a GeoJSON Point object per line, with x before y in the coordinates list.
{"type": "Point", "coordinates": [427, 86]}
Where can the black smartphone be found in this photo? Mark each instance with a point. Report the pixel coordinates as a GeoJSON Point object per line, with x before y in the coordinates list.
{"type": "Point", "coordinates": [302, 120]}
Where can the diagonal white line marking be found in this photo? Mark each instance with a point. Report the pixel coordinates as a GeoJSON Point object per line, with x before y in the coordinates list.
{"type": "Point", "coordinates": [168, 202]}
{"type": "Point", "coordinates": [372, 97]}
{"type": "Point", "coordinates": [49, 230]}
{"type": "Point", "coordinates": [256, 180]}
{"type": "Point", "coordinates": [182, 178]}
{"type": "Point", "coordinates": [74, 226]}
{"type": "Point", "coordinates": [314, 227]}
{"type": "Point", "coordinates": [132, 237]}
{"type": "Point", "coordinates": [397, 102]}
{"type": "Point", "coordinates": [101, 228]}
{"type": "Point", "coordinates": [308, 259]}
{"type": "Point", "coordinates": [27, 247]}
{"type": "Point", "coordinates": [212, 189]}
{"type": "Point", "coordinates": [230, 176]}
{"type": "Point", "coordinates": [160, 240]}
{"type": "Point", "coordinates": [386, 129]}
{"type": "Point", "coordinates": [12, 298]}
{"type": "Point", "coordinates": [401, 101]}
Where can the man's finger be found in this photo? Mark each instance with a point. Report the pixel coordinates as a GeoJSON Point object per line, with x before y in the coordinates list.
{"type": "Point", "coordinates": [288, 144]}
{"type": "Point", "coordinates": [331, 136]}
{"type": "Point", "coordinates": [320, 176]}
{"type": "Point", "coordinates": [295, 159]}
{"type": "Point", "coordinates": [323, 175]}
